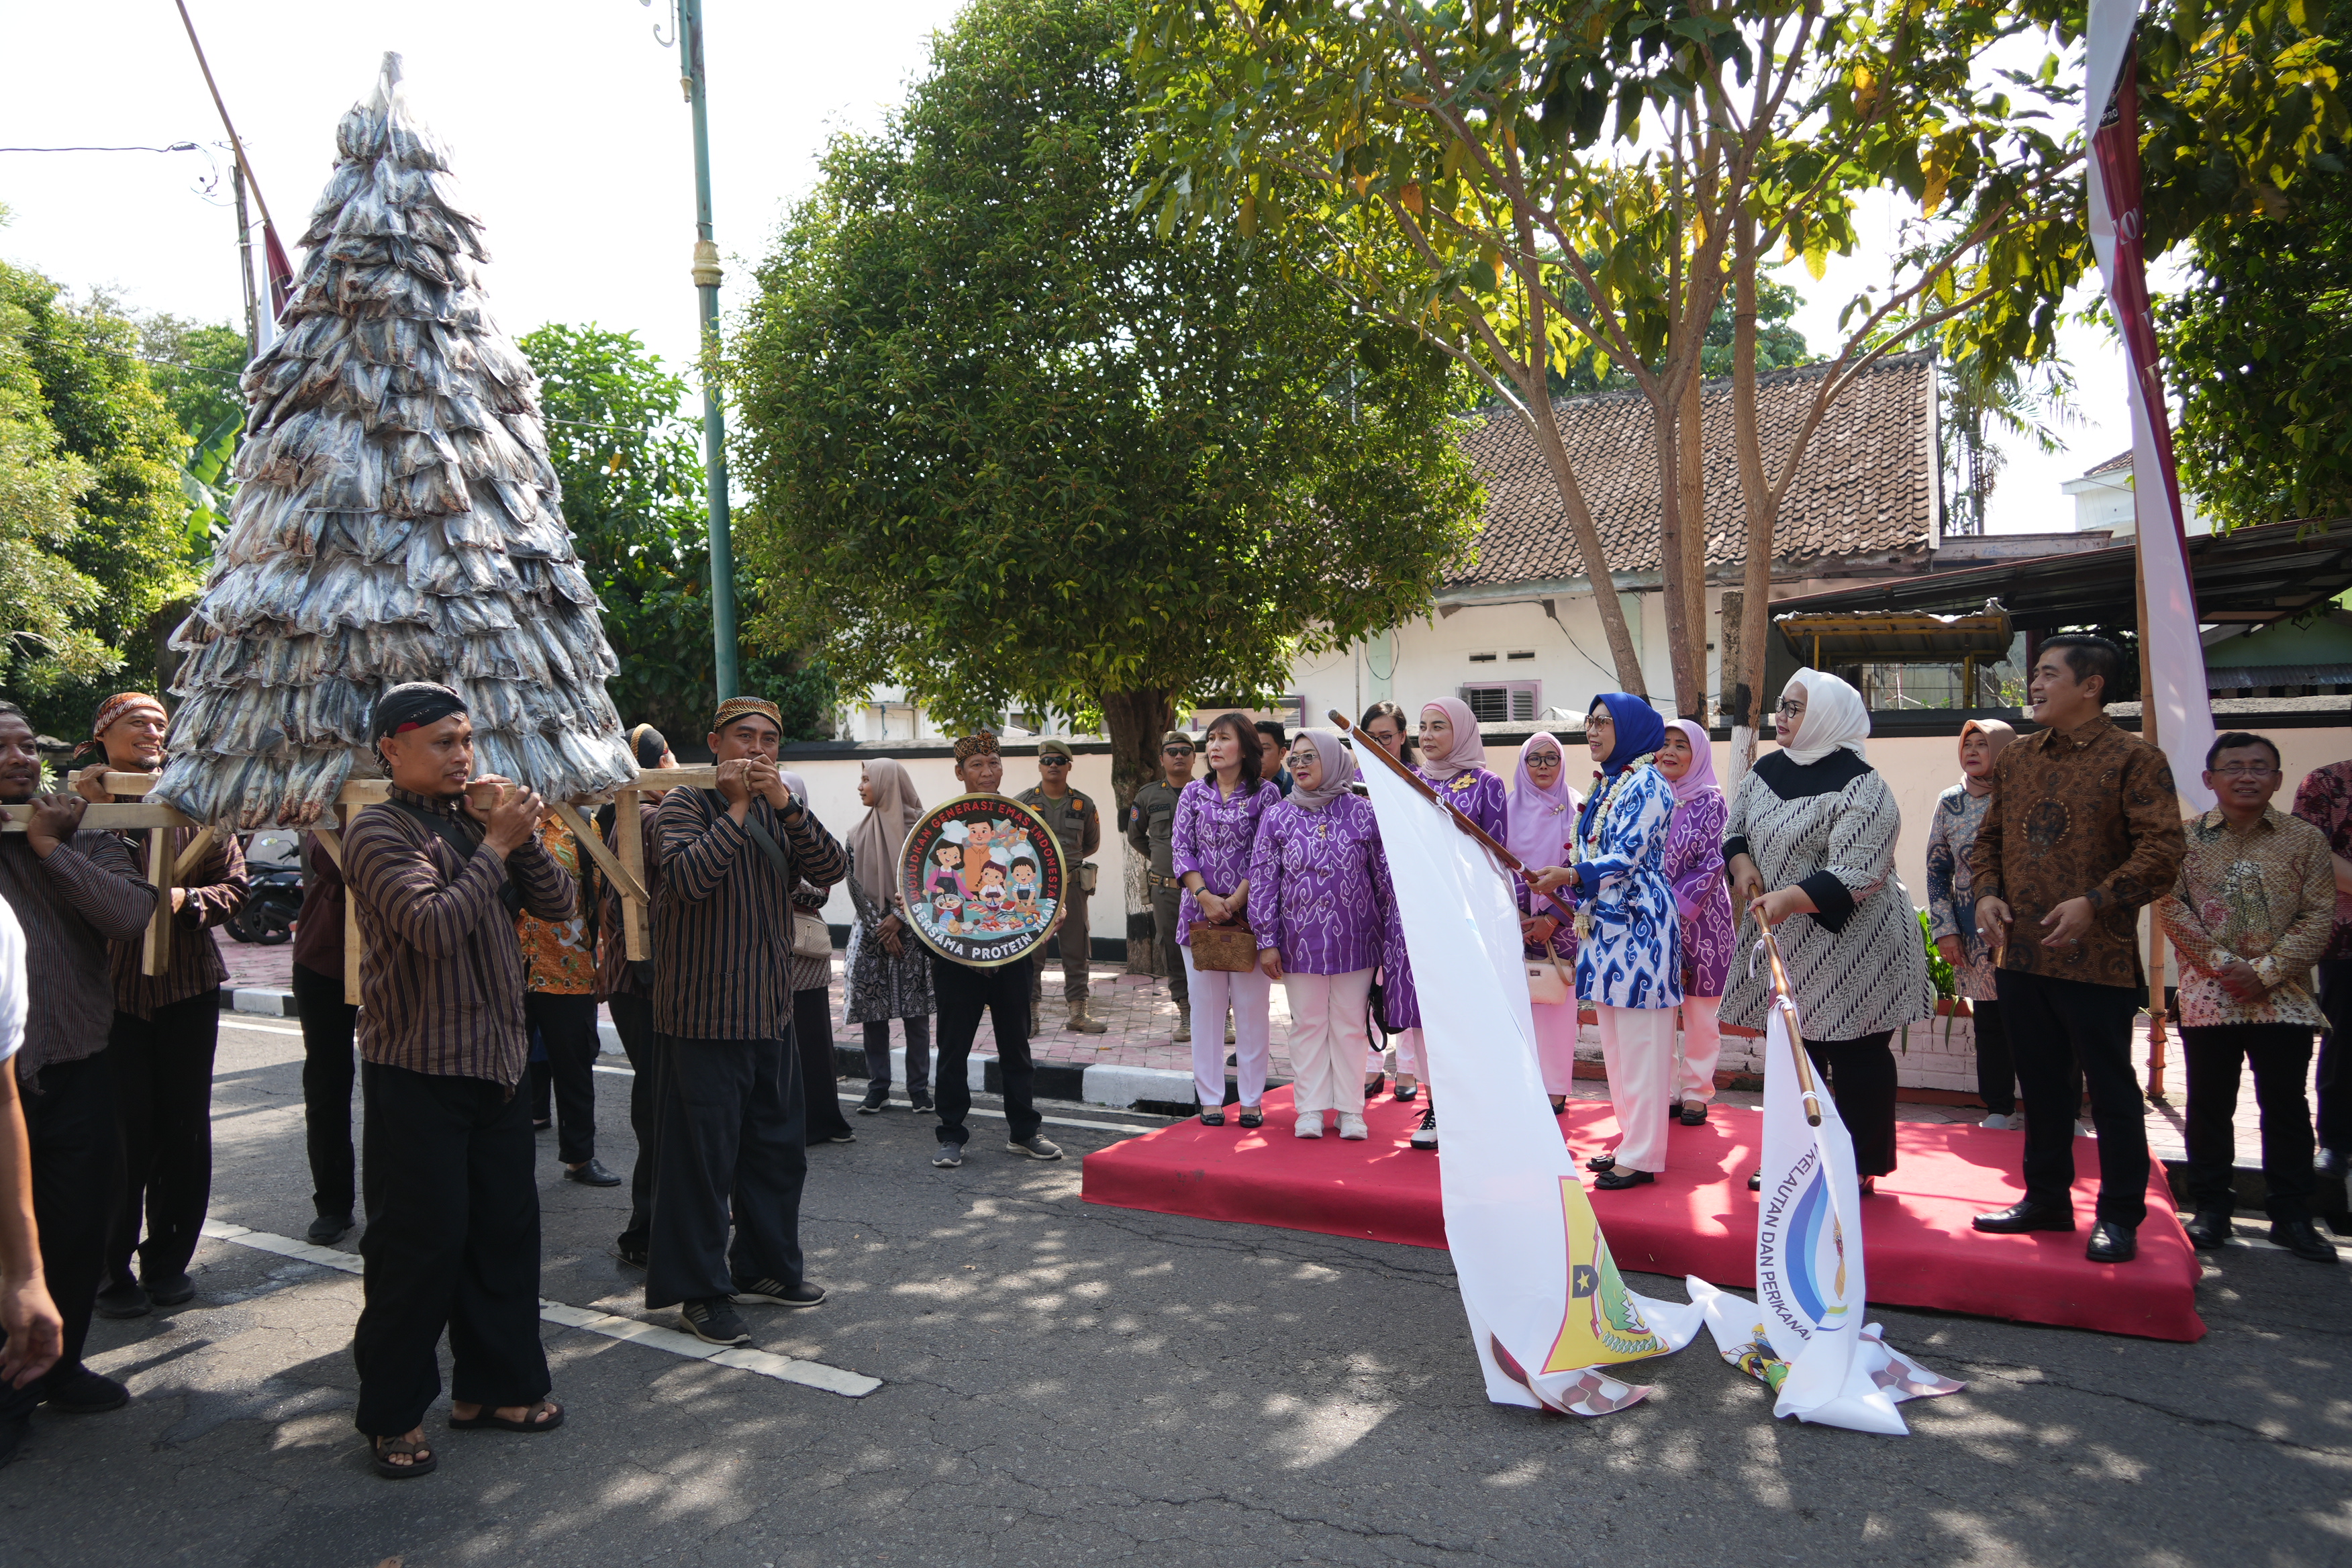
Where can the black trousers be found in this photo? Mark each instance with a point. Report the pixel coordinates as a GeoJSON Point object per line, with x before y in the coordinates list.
{"type": "Point", "coordinates": [1860, 1075]}
{"type": "Point", "coordinates": [77, 1160]}
{"type": "Point", "coordinates": [452, 1241]}
{"type": "Point", "coordinates": [918, 1052]}
{"type": "Point", "coordinates": [732, 1141]}
{"type": "Point", "coordinates": [1996, 1068]}
{"type": "Point", "coordinates": [820, 1079]}
{"type": "Point", "coordinates": [962, 993]}
{"type": "Point", "coordinates": [567, 1025]}
{"type": "Point", "coordinates": [2280, 1054]}
{"type": "Point", "coordinates": [633, 1020]}
{"type": "Point", "coordinates": [1164, 925]}
{"type": "Point", "coordinates": [2056, 1028]}
{"type": "Point", "coordinates": [162, 1072]}
{"type": "Point", "coordinates": [329, 1069]}
{"type": "Point", "coordinates": [2334, 1051]}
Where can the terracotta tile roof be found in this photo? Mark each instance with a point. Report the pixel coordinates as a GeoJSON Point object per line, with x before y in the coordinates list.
{"type": "Point", "coordinates": [2114, 464]}
{"type": "Point", "coordinates": [1867, 485]}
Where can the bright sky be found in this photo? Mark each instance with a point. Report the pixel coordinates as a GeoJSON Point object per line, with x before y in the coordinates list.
{"type": "Point", "coordinates": [572, 141]}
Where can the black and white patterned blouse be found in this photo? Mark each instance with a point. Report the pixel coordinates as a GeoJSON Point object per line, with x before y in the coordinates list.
{"type": "Point", "coordinates": [1858, 967]}
{"type": "Point", "coordinates": [878, 986]}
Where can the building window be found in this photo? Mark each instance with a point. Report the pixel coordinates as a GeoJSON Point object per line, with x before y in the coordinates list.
{"type": "Point", "coordinates": [1504, 701]}
{"type": "Point", "coordinates": [1482, 659]}
{"type": "Point", "coordinates": [1517, 654]}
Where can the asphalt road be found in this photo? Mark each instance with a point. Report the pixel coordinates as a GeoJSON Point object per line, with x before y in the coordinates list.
{"type": "Point", "coordinates": [1064, 1383]}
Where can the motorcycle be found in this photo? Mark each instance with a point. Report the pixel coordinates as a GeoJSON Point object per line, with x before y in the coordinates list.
{"type": "Point", "coordinates": [272, 900]}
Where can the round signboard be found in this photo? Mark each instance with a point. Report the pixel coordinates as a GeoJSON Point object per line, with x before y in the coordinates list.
{"type": "Point", "coordinates": [981, 877]}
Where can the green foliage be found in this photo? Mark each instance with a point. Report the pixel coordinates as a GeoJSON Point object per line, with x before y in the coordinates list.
{"type": "Point", "coordinates": [195, 366]}
{"type": "Point", "coordinates": [1013, 447]}
{"type": "Point", "coordinates": [2260, 350]}
{"type": "Point", "coordinates": [43, 595]}
{"type": "Point", "coordinates": [1939, 970]}
{"type": "Point", "coordinates": [632, 472]}
{"type": "Point", "coordinates": [1779, 345]}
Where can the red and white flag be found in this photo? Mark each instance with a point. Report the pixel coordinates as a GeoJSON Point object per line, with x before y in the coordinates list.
{"type": "Point", "coordinates": [2176, 697]}
{"type": "Point", "coordinates": [278, 286]}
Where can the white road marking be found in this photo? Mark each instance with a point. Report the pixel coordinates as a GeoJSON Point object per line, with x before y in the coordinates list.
{"type": "Point", "coordinates": [784, 1369]}
{"type": "Point", "coordinates": [976, 1110]}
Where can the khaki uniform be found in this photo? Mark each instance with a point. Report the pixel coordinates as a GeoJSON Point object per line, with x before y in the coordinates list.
{"type": "Point", "coordinates": [1151, 830]}
{"type": "Point", "coordinates": [1077, 821]}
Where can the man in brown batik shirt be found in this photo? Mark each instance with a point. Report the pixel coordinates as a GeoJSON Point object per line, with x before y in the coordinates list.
{"type": "Point", "coordinates": [2084, 828]}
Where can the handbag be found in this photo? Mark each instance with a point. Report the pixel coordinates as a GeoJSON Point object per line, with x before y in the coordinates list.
{"type": "Point", "coordinates": [1227, 950]}
{"type": "Point", "coordinates": [811, 938]}
{"type": "Point", "coordinates": [1547, 985]}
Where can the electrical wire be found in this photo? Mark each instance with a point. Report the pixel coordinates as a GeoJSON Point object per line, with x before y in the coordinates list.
{"type": "Point", "coordinates": [174, 147]}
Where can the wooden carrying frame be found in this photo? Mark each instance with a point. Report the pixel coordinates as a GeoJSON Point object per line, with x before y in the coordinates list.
{"type": "Point", "coordinates": [625, 870]}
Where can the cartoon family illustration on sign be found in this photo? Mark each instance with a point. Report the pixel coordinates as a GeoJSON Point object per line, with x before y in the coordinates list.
{"type": "Point", "coordinates": [984, 880]}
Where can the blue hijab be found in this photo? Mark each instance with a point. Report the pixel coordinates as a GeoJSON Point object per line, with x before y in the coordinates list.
{"type": "Point", "coordinates": [1640, 731]}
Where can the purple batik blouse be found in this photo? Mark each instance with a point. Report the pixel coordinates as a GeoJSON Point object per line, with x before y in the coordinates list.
{"type": "Point", "coordinates": [1318, 887]}
{"type": "Point", "coordinates": [1695, 866]}
{"type": "Point", "coordinates": [1480, 796]}
{"type": "Point", "coordinates": [1213, 835]}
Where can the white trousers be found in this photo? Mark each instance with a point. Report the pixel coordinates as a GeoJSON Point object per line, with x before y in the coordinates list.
{"type": "Point", "coordinates": [1411, 1060]}
{"type": "Point", "coordinates": [1701, 1046]}
{"type": "Point", "coordinates": [1328, 1035]}
{"type": "Point", "coordinates": [1637, 1046]}
{"type": "Point", "coordinates": [1556, 1044]}
{"type": "Point", "coordinates": [1249, 996]}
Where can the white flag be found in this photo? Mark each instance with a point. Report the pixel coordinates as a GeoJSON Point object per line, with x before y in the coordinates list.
{"type": "Point", "coordinates": [1804, 1335]}
{"type": "Point", "coordinates": [1548, 1310]}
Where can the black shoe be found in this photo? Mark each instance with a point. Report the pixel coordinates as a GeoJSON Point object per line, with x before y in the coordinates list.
{"type": "Point", "coordinates": [776, 1293]}
{"type": "Point", "coordinates": [127, 1300]}
{"type": "Point", "coordinates": [949, 1157]}
{"type": "Point", "coordinates": [2302, 1237]}
{"type": "Point", "coordinates": [591, 1175]}
{"type": "Point", "coordinates": [1602, 1162]}
{"type": "Point", "coordinates": [877, 1095]}
{"type": "Point", "coordinates": [77, 1391]}
{"type": "Point", "coordinates": [2210, 1228]}
{"type": "Point", "coordinates": [919, 1098]}
{"type": "Point", "coordinates": [1037, 1146]}
{"type": "Point", "coordinates": [1215, 1118]}
{"type": "Point", "coordinates": [714, 1322]}
{"type": "Point", "coordinates": [1755, 1180]}
{"type": "Point", "coordinates": [170, 1292]}
{"type": "Point", "coordinates": [328, 1229]}
{"type": "Point", "coordinates": [1377, 1082]}
{"type": "Point", "coordinates": [628, 1256]}
{"type": "Point", "coordinates": [1615, 1181]}
{"type": "Point", "coordinates": [2024, 1215]}
{"type": "Point", "coordinates": [1405, 1091]}
{"type": "Point", "coordinates": [1673, 1108]}
{"type": "Point", "coordinates": [1252, 1116]}
{"type": "Point", "coordinates": [2112, 1243]}
{"type": "Point", "coordinates": [1694, 1114]}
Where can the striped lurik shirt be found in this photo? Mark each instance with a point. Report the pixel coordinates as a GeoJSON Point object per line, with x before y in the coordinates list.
{"type": "Point", "coordinates": [723, 943]}
{"type": "Point", "coordinates": [216, 890]}
{"type": "Point", "coordinates": [441, 977]}
{"type": "Point", "coordinates": [87, 893]}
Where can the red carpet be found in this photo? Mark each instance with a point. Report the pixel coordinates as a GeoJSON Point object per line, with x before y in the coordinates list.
{"type": "Point", "coordinates": [1699, 1217]}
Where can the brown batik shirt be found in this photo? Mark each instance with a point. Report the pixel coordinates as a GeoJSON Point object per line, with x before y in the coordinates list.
{"type": "Point", "coordinates": [2087, 814]}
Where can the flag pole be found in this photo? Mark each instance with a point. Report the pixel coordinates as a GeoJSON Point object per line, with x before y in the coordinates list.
{"type": "Point", "coordinates": [1413, 781]}
{"type": "Point", "coordinates": [1782, 999]}
{"type": "Point", "coordinates": [235, 144]}
{"type": "Point", "coordinates": [2148, 731]}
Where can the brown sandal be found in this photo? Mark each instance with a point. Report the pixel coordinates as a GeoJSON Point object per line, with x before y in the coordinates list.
{"type": "Point", "coordinates": [421, 1458]}
{"type": "Point", "coordinates": [490, 1420]}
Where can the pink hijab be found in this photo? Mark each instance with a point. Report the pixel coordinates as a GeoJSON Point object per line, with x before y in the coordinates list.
{"type": "Point", "coordinates": [1466, 750]}
{"type": "Point", "coordinates": [1701, 776]}
{"type": "Point", "coordinates": [1541, 821]}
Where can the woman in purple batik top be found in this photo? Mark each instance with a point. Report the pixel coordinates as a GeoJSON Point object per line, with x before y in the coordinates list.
{"type": "Point", "coordinates": [1319, 893]}
{"type": "Point", "coordinates": [1453, 763]}
{"type": "Point", "coordinates": [1216, 826]}
{"type": "Point", "coordinates": [1703, 895]}
{"type": "Point", "coordinates": [1543, 823]}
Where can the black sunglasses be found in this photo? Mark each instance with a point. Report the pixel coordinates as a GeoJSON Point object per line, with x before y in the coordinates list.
{"type": "Point", "coordinates": [1175, 751]}
{"type": "Point", "coordinates": [1052, 762]}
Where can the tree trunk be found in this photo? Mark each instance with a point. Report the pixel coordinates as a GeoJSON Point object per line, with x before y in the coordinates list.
{"type": "Point", "coordinates": [1664, 427]}
{"type": "Point", "coordinates": [1694, 510]}
{"type": "Point", "coordinates": [1587, 534]}
{"type": "Point", "coordinates": [1756, 578]}
{"type": "Point", "coordinates": [1135, 721]}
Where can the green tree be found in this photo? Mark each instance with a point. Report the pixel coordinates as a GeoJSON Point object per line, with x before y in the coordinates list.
{"type": "Point", "coordinates": [1009, 446]}
{"type": "Point", "coordinates": [129, 541]}
{"type": "Point", "coordinates": [43, 595]}
{"type": "Point", "coordinates": [196, 368]}
{"type": "Point", "coordinates": [631, 469]}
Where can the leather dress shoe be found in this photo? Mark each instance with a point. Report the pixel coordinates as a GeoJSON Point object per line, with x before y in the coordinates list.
{"type": "Point", "coordinates": [1615, 1181]}
{"type": "Point", "coordinates": [2024, 1215]}
{"type": "Point", "coordinates": [171, 1291]}
{"type": "Point", "coordinates": [2211, 1227]}
{"type": "Point", "coordinates": [591, 1175]}
{"type": "Point", "coordinates": [2112, 1243]}
{"type": "Point", "coordinates": [2302, 1237]}
{"type": "Point", "coordinates": [328, 1229]}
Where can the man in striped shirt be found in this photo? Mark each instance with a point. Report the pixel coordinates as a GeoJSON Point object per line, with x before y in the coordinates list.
{"type": "Point", "coordinates": [453, 1226]}
{"type": "Point", "coordinates": [733, 1133]}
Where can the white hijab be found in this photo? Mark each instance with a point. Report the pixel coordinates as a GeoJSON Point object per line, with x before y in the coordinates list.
{"type": "Point", "coordinates": [1834, 717]}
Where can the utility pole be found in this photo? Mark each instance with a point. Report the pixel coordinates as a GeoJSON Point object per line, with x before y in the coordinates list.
{"type": "Point", "coordinates": [697, 82]}
{"type": "Point", "coordinates": [244, 264]}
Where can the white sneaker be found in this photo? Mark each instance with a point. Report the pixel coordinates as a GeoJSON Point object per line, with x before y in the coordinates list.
{"type": "Point", "coordinates": [2084, 1130]}
{"type": "Point", "coordinates": [1310, 1126]}
{"type": "Point", "coordinates": [1352, 1127]}
{"type": "Point", "coordinates": [1998, 1122]}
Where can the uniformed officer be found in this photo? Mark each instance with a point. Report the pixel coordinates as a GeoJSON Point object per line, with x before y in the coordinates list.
{"type": "Point", "coordinates": [1150, 823]}
{"type": "Point", "coordinates": [1077, 824]}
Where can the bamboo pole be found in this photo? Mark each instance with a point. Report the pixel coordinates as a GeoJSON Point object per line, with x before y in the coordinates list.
{"type": "Point", "coordinates": [1784, 999]}
{"type": "Point", "coordinates": [591, 844]}
{"type": "Point", "coordinates": [629, 819]}
{"type": "Point", "coordinates": [353, 941]}
{"type": "Point", "coordinates": [156, 957]}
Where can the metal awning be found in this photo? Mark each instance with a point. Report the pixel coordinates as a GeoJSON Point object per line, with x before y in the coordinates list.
{"type": "Point", "coordinates": [1823, 637]}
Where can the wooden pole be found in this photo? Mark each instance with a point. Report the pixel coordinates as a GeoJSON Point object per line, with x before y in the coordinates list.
{"type": "Point", "coordinates": [630, 823]}
{"type": "Point", "coordinates": [160, 863]}
{"type": "Point", "coordinates": [1783, 997]}
{"type": "Point", "coordinates": [2156, 1034]}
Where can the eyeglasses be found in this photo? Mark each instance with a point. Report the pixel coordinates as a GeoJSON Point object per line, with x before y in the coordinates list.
{"type": "Point", "coordinates": [2245, 769]}
{"type": "Point", "coordinates": [1052, 762]}
{"type": "Point", "coordinates": [1789, 710]}
{"type": "Point", "coordinates": [1175, 751]}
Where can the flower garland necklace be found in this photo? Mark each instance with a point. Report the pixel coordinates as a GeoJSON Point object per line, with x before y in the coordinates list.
{"type": "Point", "coordinates": [1580, 846]}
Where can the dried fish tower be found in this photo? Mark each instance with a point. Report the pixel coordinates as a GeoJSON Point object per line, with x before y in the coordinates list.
{"type": "Point", "coordinates": [397, 519]}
